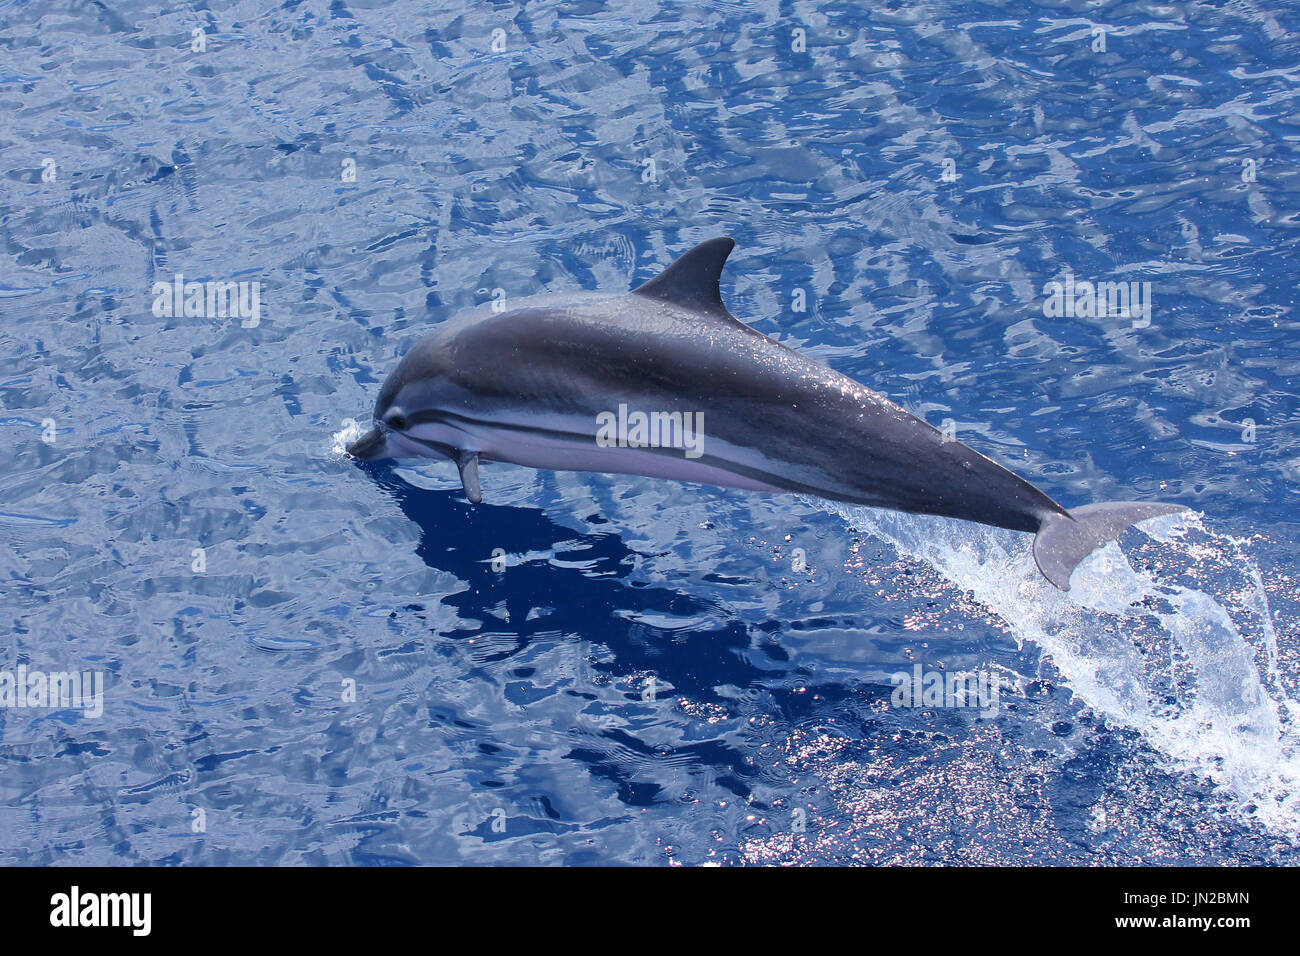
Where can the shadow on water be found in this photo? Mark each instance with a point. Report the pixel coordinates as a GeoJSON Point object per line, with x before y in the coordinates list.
{"type": "Point", "coordinates": [581, 586]}
{"type": "Point", "coordinates": [577, 584]}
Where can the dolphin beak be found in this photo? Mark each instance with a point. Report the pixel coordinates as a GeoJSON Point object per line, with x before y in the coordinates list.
{"type": "Point", "coordinates": [373, 444]}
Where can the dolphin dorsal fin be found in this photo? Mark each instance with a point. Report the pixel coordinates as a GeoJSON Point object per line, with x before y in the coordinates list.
{"type": "Point", "coordinates": [692, 281]}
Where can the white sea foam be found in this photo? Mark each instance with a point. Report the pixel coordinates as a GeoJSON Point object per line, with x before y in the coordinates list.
{"type": "Point", "coordinates": [1185, 654]}
{"type": "Point", "coordinates": [350, 432]}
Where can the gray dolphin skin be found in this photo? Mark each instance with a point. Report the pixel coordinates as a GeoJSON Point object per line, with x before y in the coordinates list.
{"type": "Point", "coordinates": [557, 382]}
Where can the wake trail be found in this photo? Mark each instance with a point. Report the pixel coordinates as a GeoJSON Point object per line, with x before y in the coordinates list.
{"type": "Point", "coordinates": [1185, 653]}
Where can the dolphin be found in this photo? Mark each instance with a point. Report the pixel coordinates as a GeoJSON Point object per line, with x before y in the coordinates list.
{"type": "Point", "coordinates": [665, 382]}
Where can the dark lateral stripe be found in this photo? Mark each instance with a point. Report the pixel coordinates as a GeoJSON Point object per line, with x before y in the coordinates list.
{"type": "Point", "coordinates": [451, 418]}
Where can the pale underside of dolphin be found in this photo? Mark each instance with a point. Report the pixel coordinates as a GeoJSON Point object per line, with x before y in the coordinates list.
{"type": "Point", "coordinates": [536, 384]}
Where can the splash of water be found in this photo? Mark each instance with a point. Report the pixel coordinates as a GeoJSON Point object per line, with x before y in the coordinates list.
{"type": "Point", "coordinates": [350, 432]}
{"type": "Point", "coordinates": [1183, 651]}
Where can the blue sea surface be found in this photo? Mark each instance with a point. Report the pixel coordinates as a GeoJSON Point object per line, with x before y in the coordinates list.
{"type": "Point", "coordinates": [312, 661]}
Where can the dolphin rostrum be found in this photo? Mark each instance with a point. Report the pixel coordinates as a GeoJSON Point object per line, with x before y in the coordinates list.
{"type": "Point", "coordinates": [665, 382]}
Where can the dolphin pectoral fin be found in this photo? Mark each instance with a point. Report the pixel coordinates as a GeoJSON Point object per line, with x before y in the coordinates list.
{"type": "Point", "coordinates": [1065, 540]}
{"type": "Point", "coordinates": [467, 462]}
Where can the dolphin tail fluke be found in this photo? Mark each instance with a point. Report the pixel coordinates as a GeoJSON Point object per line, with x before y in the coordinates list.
{"type": "Point", "coordinates": [1065, 540]}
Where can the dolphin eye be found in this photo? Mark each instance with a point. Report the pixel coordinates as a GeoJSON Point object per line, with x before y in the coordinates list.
{"type": "Point", "coordinates": [396, 421]}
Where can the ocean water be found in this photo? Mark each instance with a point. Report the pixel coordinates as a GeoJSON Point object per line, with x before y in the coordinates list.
{"type": "Point", "coordinates": [311, 661]}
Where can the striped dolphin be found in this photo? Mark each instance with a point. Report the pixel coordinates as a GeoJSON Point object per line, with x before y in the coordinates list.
{"type": "Point", "coordinates": [548, 384]}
